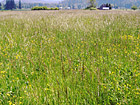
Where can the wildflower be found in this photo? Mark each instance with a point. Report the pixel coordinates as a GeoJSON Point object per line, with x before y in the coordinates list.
{"type": "Point", "coordinates": [10, 103]}
{"type": "Point", "coordinates": [1, 64]}
{"type": "Point", "coordinates": [130, 37]}
{"type": "Point", "coordinates": [137, 93]}
{"type": "Point", "coordinates": [100, 57]}
{"type": "Point", "coordinates": [114, 79]}
{"type": "Point", "coordinates": [17, 56]}
{"type": "Point", "coordinates": [32, 73]}
{"type": "Point", "coordinates": [2, 72]}
{"type": "Point", "coordinates": [118, 104]}
{"type": "Point", "coordinates": [8, 94]}
{"type": "Point", "coordinates": [124, 37]}
{"type": "Point", "coordinates": [14, 96]}
{"type": "Point", "coordinates": [109, 72]}
{"type": "Point", "coordinates": [129, 85]}
{"type": "Point", "coordinates": [46, 89]}
{"type": "Point", "coordinates": [119, 89]}
{"type": "Point", "coordinates": [104, 87]}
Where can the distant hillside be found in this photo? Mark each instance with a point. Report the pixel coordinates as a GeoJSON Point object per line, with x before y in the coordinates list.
{"type": "Point", "coordinates": [36, 1]}
{"type": "Point", "coordinates": [74, 4]}
{"type": "Point", "coordinates": [121, 3]}
{"type": "Point", "coordinates": [84, 3]}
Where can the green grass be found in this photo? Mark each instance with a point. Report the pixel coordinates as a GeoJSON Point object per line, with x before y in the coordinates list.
{"type": "Point", "coordinates": [70, 58]}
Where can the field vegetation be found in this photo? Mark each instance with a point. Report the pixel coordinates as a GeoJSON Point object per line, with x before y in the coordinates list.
{"type": "Point", "coordinates": [44, 8]}
{"type": "Point", "coordinates": [70, 57]}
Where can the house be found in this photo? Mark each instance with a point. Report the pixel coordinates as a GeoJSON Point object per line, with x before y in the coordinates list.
{"type": "Point", "coordinates": [68, 8]}
{"type": "Point", "coordinates": [105, 7]}
{"type": "Point", "coordinates": [60, 8]}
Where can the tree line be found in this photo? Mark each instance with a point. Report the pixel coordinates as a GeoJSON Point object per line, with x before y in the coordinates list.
{"type": "Point", "coordinates": [73, 4]}
{"type": "Point", "coordinates": [10, 5]}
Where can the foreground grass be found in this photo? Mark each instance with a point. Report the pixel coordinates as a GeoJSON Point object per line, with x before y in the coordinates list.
{"type": "Point", "coordinates": [70, 57]}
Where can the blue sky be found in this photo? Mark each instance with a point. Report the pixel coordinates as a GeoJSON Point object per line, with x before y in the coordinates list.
{"type": "Point", "coordinates": [37, 0]}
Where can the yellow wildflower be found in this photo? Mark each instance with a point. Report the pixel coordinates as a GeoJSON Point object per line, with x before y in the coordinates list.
{"type": "Point", "coordinates": [104, 87]}
{"type": "Point", "coordinates": [119, 89]}
{"type": "Point", "coordinates": [137, 93]}
{"type": "Point", "coordinates": [8, 94]}
{"type": "Point", "coordinates": [10, 103]}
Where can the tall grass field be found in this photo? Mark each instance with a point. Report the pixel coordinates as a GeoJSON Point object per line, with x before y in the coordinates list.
{"type": "Point", "coordinates": [78, 57]}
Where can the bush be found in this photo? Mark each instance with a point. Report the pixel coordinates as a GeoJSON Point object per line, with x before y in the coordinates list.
{"type": "Point", "coordinates": [56, 8]}
{"type": "Point", "coordinates": [52, 9]}
{"type": "Point", "coordinates": [87, 8]}
{"type": "Point", "coordinates": [35, 8]}
{"type": "Point", "coordinates": [134, 7]}
{"type": "Point", "coordinates": [90, 8]}
{"type": "Point", "coordinates": [93, 8]}
{"type": "Point", "coordinates": [44, 8]}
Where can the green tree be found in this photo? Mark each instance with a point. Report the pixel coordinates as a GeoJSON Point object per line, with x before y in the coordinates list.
{"type": "Point", "coordinates": [0, 6]}
{"type": "Point", "coordinates": [10, 4]}
{"type": "Point", "coordinates": [93, 3]}
{"type": "Point", "coordinates": [20, 4]}
{"type": "Point", "coordinates": [134, 7]}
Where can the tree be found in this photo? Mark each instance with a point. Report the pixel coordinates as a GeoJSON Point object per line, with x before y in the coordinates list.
{"type": "Point", "coordinates": [110, 6]}
{"type": "Point", "coordinates": [93, 3]}
{"type": "Point", "coordinates": [0, 6]}
{"type": "Point", "coordinates": [10, 4]}
{"type": "Point", "coordinates": [134, 7]}
{"type": "Point", "coordinates": [20, 4]}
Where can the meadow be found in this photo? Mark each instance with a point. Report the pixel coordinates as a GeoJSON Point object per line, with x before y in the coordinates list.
{"type": "Point", "coordinates": [76, 57]}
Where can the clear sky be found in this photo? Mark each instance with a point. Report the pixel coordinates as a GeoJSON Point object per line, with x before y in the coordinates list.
{"type": "Point", "coordinates": [37, 0]}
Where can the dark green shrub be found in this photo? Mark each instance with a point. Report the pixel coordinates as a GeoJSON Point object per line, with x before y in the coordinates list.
{"type": "Point", "coordinates": [40, 8]}
{"type": "Point", "coordinates": [56, 8]}
{"type": "Point", "coordinates": [90, 8]}
{"type": "Point", "coordinates": [44, 8]}
{"type": "Point", "coordinates": [93, 8]}
{"type": "Point", "coordinates": [87, 8]}
{"type": "Point", "coordinates": [134, 7]}
{"type": "Point", "coordinates": [48, 9]}
{"type": "Point", "coordinates": [35, 8]}
{"type": "Point", "coordinates": [52, 8]}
